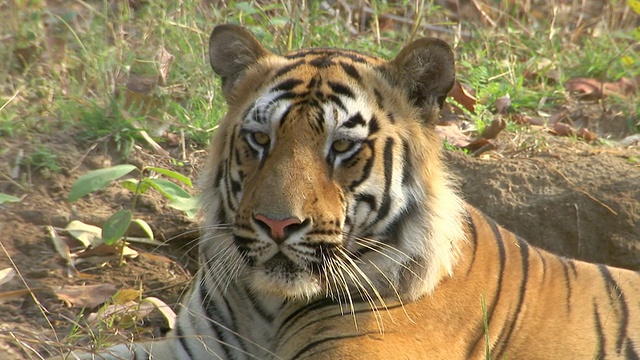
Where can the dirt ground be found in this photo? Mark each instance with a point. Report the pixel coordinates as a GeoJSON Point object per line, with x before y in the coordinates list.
{"type": "Point", "coordinates": [569, 197]}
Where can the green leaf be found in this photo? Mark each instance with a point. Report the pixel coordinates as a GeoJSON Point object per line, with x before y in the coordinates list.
{"type": "Point", "coordinates": [172, 174]}
{"type": "Point", "coordinates": [168, 189]}
{"type": "Point", "coordinates": [189, 206]}
{"type": "Point", "coordinates": [116, 226]}
{"type": "Point", "coordinates": [6, 198]}
{"type": "Point", "coordinates": [145, 227]}
{"type": "Point", "coordinates": [132, 185]}
{"type": "Point", "coordinates": [88, 235]}
{"type": "Point", "coordinates": [97, 179]}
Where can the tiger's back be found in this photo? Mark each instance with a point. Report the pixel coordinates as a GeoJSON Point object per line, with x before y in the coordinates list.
{"type": "Point", "coordinates": [334, 231]}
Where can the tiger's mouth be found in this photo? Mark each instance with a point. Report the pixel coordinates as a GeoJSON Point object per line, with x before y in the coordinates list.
{"type": "Point", "coordinates": [281, 264]}
{"type": "Point", "coordinates": [284, 277]}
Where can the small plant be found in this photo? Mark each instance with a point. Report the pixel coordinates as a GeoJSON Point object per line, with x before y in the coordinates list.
{"type": "Point", "coordinates": [6, 198]}
{"type": "Point", "coordinates": [44, 160]}
{"type": "Point", "coordinates": [117, 226]}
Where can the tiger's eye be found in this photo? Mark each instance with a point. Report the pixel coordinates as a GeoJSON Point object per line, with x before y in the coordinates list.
{"type": "Point", "coordinates": [260, 138]}
{"type": "Point", "coordinates": [341, 145]}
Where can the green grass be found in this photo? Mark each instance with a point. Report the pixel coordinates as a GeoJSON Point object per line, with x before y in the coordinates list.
{"type": "Point", "coordinates": [67, 67]}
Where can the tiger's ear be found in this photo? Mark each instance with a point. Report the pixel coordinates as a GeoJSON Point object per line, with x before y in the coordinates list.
{"type": "Point", "coordinates": [426, 69]}
{"type": "Point", "coordinates": [233, 49]}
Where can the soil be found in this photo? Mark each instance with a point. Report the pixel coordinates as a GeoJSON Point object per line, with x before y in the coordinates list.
{"type": "Point", "coordinates": [566, 196]}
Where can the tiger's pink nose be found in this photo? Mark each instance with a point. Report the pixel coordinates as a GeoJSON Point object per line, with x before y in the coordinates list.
{"type": "Point", "coordinates": [277, 228]}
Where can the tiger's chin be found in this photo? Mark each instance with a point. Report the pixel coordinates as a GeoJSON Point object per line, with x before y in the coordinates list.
{"type": "Point", "coordinates": [285, 280]}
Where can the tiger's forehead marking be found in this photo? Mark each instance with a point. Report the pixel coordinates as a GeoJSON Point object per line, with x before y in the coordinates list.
{"type": "Point", "coordinates": [326, 85]}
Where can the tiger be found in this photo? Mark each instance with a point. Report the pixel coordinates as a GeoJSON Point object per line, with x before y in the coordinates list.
{"type": "Point", "coordinates": [333, 230]}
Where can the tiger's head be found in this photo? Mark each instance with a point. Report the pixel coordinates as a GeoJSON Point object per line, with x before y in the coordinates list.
{"type": "Point", "coordinates": [324, 177]}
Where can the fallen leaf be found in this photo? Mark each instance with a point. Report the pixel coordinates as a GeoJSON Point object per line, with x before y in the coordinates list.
{"type": "Point", "coordinates": [463, 97]}
{"type": "Point", "coordinates": [553, 119]}
{"type": "Point", "coordinates": [6, 275]}
{"type": "Point", "coordinates": [106, 250]}
{"type": "Point", "coordinates": [562, 129]}
{"type": "Point", "coordinates": [86, 296]}
{"type": "Point", "coordinates": [479, 146]}
{"type": "Point", "coordinates": [88, 235]}
{"type": "Point", "coordinates": [588, 89]}
{"type": "Point", "coordinates": [165, 309]}
{"type": "Point", "coordinates": [492, 131]}
{"type": "Point", "coordinates": [525, 120]}
{"type": "Point", "coordinates": [164, 60]}
{"type": "Point", "coordinates": [14, 294]}
{"type": "Point", "coordinates": [452, 135]}
{"type": "Point", "coordinates": [593, 89]}
{"type": "Point", "coordinates": [586, 135]}
{"type": "Point", "coordinates": [502, 104]}
{"type": "Point", "coordinates": [126, 295]}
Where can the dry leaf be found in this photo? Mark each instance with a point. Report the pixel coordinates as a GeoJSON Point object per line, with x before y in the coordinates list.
{"type": "Point", "coordinates": [88, 235]}
{"type": "Point", "coordinates": [463, 97]}
{"type": "Point", "coordinates": [593, 89]}
{"type": "Point", "coordinates": [14, 294]}
{"type": "Point", "coordinates": [502, 104]}
{"type": "Point", "coordinates": [562, 129]}
{"type": "Point", "coordinates": [165, 309]}
{"type": "Point", "coordinates": [587, 135]}
{"type": "Point", "coordinates": [452, 135]}
{"type": "Point", "coordinates": [126, 295]}
{"type": "Point", "coordinates": [525, 120]}
{"type": "Point", "coordinates": [86, 296]}
{"type": "Point", "coordinates": [492, 131]}
{"type": "Point", "coordinates": [164, 60]}
{"type": "Point", "coordinates": [6, 275]}
{"type": "Point", "coordinates": [107, 250]}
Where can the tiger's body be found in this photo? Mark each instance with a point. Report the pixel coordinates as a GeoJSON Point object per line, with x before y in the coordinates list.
{"type": "Point", "coordinates": [334, 232]}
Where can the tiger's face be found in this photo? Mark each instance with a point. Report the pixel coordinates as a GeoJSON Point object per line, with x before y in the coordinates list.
{"type": "Point", "coordinates": [315, 164]}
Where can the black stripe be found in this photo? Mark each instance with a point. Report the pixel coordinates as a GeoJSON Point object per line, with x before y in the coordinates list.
{"type": "Point", "coordinates": [355, 120]}
{"type": "Point", "coordinates": [341, 89]}
{"type": "Point", "coordinates": [524, 258]}
{"type": "Point", "coordinates": [379, 98]}
{"type": "Point", "coordinates": [502, 259]}
{"type": "Point", "coordinates": [387, 160]}
{"type": "Point", "coordinates": [257, 306]}
{"type": "Point", "coordinates": [182, 339]}
{"type": "Point", "coordinates": [374, 125]}
{"type": "Point", "coordinates": [320, 119]}
{"type": "Point", "coordinates": [289, 320]}
{"type": "Point", "coordinates": [366, 171]}
{"type": "Point", "coordinates": [393, 230]}
{"type": "Point", "coordinates": [474, 238]}
{"type": "Point", "coordinates": [286, 85]}
{"type": "Point", "coordinates": [289, 68]}
{"type": "Point", "coordinates": [407, 167]}
{"type": "Point", "coordinates": [351, 71]}
{"type": "Point", "coordinates": [285, 96]}
{"type": "Point", "coordinates": [599, 332]}
{"type": "Point", "coordinates": [543, 262]}
{"type": "Point", "coordinates": [616, 294]}
{"type": "Point", "coordinates": [322, 341]}
{"type": "Point", "coordinates": [630, 352]}
{"type": "Point", "coordinates": [336, 100]}
{"type": "Point", "coordinates": [327, 52]}
{"type": "Point", "coordinates": [567, 282]}
{"type": "Point", "coordinates": [368, 199]}
{"type": "Point", "coordinates": [284, 117]}
{"type": "Point", "coordinates": [322, 62]}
